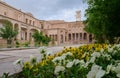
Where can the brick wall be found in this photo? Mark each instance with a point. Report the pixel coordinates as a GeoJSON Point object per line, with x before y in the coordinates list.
{"type": "Point", "coordinates": [3, 43]}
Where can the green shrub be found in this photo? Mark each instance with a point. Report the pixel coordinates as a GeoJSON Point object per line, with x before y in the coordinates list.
{"type": "Point", "coordinates": [17, 44]}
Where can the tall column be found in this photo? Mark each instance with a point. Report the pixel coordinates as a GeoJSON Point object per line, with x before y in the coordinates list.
{"type": "Point", "coordinates": [82, 37]}
{"type": "Point", "coordinates": [72, 38]}
{"type": "Point", "coordinates": [58, 37]}
{"type": "Point", "coordinates": [28, 34]}
{"type": "Point", "coordinates": [78, 38]}
{"type": "Point", "coordinates": [75, 37]}
{"type": "Point", "coordinates": [54, 37]}
{"type": "Point", "coordinates": [19, 33]}
{"type": "Point", "coordinates": [64, 35]}
{"type": "Point", "coordinates": [87, 38]}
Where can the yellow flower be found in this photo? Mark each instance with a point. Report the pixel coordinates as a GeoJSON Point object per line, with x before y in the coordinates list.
{"type": "Point", "coordinates": [36, 70]}
{"type": "Point", "coordinates": [49, 57]}
{"type": "Point", "coordinates": [87, 58]}
{"type": "Point", "coordinates": [26, 64]}
{"type": "Point", "coordinates": [30, 67]}
{"type": "Point", "coordinates": [83, 55]}
{"type": "Point", "coordinates": [43, 62]}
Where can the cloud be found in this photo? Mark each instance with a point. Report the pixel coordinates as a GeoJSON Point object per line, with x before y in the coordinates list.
{"type": "Point", "coordinates": [50, 9]}
{"type": "Point", "coordinates": [67, 14]}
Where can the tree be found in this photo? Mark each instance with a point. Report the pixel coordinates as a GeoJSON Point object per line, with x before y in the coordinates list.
{"type": "Point", "coordinates": [103, 19]}
{"type": "Point", "coordinates": [37, 37]}
{"type": "Point", "coordinates": [7, 32]}
{"type": "Point", "coordinates": [46, 40]}
{"type": "Point", "coordinates": [40, 38]}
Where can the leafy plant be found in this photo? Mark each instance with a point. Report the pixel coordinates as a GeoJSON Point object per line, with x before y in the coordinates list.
{"type": "Point", "coordinates": [40, 38]}
{"type": "Point", "coordinates": [17, 44]}
{"type": "Point", "coordinates": [26, 44]}
{"type": "Point", "coordinates": [7, 32]}
{"type": "Point", "coordinates": [5, 75]}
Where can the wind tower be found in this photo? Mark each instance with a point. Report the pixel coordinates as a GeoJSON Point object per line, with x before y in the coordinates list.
{"type": "Point", "coordinates": [78, 15]}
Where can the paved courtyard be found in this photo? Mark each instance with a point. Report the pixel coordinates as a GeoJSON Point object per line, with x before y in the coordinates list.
{"type": "Point", "coordinates": [8, 57]}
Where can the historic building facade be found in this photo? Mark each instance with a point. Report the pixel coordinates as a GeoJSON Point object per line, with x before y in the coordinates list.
{"type": "Point", "coordinates": [67, 32]}
{"type": "Point", "coordinates": [61, 32]}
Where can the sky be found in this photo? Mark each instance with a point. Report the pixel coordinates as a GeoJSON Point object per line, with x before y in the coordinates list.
{"type": "Point", "coordinates": [51, 9]}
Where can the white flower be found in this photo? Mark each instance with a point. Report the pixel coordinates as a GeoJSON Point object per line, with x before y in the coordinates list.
{"type": "Point", "coordinates": [48, 53]}
{"type": "Point", "coordinates": [100, 74]}
{"type": "Point", "coordinates": [59, 69]}
{"type": "Point", "coordinates": [66, 54]}
{"type": "Point", "coordinates": [113, 68]}
{"type": "Point", "coordinates": [63, 56]}
{"type": "Point", "coordinates": [114, 52]}
{"type": "Point", "coordinates": [91, 74]}
{"type": "Point", "coordinates": [92, 60]}
{"type": "Point", "coordinates": [118, 75]}
{"type": "Point", "coordinates": [117, 70]}
{"type": "Point", "coordinates": [107, 55]}
{"type": "Point", "coordinates": [119, 49]}
{"type": "Point", "coordinates": [33, 59]}
{"type": "Point", "coordinates": [96, 72]}
{"type": "Point", "coordinates": [102, 50]}
{"type": "Point", "coordinates": [42, 49]}
{"type": "Point", "coordinates": [17, 61]}
{"type": "Point", "coordinates": [109, 67]}
{"type": "Point", "coordinates": [76, 61]}
{"type": "Point", "coordinates": [95, 54]}
{"type": "Point", "coordinates": [61, 60]}
{"type": "Point", "coordinates": [69, 53]}
{"type": "Point", "coordinates": [118, 45]}
{"type": "Point", "coordinates": [86, 64]}
{"type": "Point", "coordinates": [83, 63]}
{"type": "Point", "coordinates": [56, 59]}
{"type": "Point", "coordinates": [69, 64]}
{"type": "Point", "coordinates": [114, 46]}
{"type": "Point", "coordinates": [110, 50]}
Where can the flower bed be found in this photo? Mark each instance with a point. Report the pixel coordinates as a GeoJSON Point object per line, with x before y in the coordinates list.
{"type": "Point", "coordinates": [88, 61]}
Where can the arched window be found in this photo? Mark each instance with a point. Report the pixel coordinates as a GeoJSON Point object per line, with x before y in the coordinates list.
{"type": "Point", "coordinates": [69, 36]}
{"type": "Point", "coordinates": [42, 26]}
{"type": "Point", "coordinates": [85, 36]}
{"type": "Point", "coordinates": [90, 38]}
{"type": "Point", "coordinates": [80, 35]}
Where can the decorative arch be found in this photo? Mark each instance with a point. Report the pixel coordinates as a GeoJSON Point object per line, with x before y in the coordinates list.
{"type": "Point", "coordinates": [32, 30]}
{"type": "Point", "coordinates": [80, 36]}
{"type": "Point", "coordinates": [16, 26]}
{"type": "Point", "coordinates": [90, 38]}
{"type": "Point", "coordinates": [85, 36]}
{"type": "Point", "coordinates": [2, 21]}
{"type": "Point", "coordinates": [69, 35]}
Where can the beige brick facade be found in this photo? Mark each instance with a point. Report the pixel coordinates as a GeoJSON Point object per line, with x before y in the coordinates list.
{"type": "Point", "coordinates": [60, 31]}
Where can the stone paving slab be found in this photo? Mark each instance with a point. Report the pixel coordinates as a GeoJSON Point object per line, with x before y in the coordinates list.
{"type": "Point", "coordinates": [9, 59]}
{"type": "Point", "coordinates": [21, 48]}
{"type": "Point", "coordinates": [8, 67]}
{"type": "Point", "coordinates": [4, 56]}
